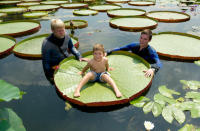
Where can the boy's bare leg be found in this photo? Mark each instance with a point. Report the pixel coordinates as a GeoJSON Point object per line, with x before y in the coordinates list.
{"type": "Point", "coordinates": [84, 80]}
{"type": "Point", "coordinates": [110, 81]}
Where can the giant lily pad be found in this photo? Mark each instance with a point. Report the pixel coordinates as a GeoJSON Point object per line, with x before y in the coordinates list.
{"type": "Point", "coordinates": [168, 16]}
{"type": "Point", "coordinates": [7, 2]}
{"type": "Point", "coordinates": [43, 7]}
{"type": "Point", "coordinates": [35, 14]}
{"type": "Point", "coordinates": [127, 74]}
{"type": "Point", "coordinates": [13, 10]}
{"type": "Point", "coordinates": [30, 0]}
{"type": "Point", "coordinates": [74, 5]}
{"type": "Point", "coordinates": [133, 23]}
{"type": "Point", "coordinates": [31, 47]}
{"type": "Point", "coordinates": [3, 14]}
{"type": "Point", "coordinates": [28, 4]}
{"type": "Point", "coordinates": [105, 7]}
{"type": "Point", "coordinates": [9, 92]}
{"type": "Point", "coordinates": [76, 24]}
{"type": "Point", "coordinates": [53, 2]}
{"type": "Point", "coordinates": [141, 3]}
{"type": "Point", "coordinates": [9, 121]}
{"type": "Point", "coordinates": [174, 45]}
{"type": "Point", "coordinates": [7, 43]}
{"type": "Point", "coordinates": [117, 1]}
{"type": "Point", "coordinates": [125, 12]}
{"type": "Point", "coordinates": [85, 12]}
{"type": "Point", "coordinates": [19, 27]}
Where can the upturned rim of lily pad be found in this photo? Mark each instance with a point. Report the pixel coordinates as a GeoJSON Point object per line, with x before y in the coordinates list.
{"type": "Point", "coordinates": [82, 5]}
{"type": "Point", "coordinates": [43, 13]}
{"type": "Point", "coordinates": [9, 49]}
{"type": "Point", "coordinates": [103, 10]}
{"type": "Point", "coordinates": [26, 32]}
{"type": "Point", "coordinates": [113, 15]}
{"type": "Point", "coordinates": [85, 24]}
{"type": "Point", "coordinates": [169, 20]}
{"type": "Point", "coordinates": [136, 3]}
{"type": "Point", "coordinates": [31, 0]}
{"type": "Point", "coordinates": [133, 29]}
{"type": "Point", "coordinates": [106, 103]}
{"type": "Point", "coordinates": [9, 2]}
{"type": "Point", "coordinates": [45, 9]}
{"type": "Point", "coordinates": [117, 1]}
{"type": "Point", "coordinates": [177, 57]}
{"type": "Point", "coordinates": [79, 14]}
{"type": "Point", "coordinates": [35, 56]}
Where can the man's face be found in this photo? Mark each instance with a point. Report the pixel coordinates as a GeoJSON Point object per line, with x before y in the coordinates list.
{"type": "Point", "coordinates": [144, 40]}
{"type": "Point", "coordinates": [59, 32]}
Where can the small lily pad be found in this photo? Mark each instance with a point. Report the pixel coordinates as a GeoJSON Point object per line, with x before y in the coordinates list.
{"type": "Point", "coordinates": [85, 12]}
{"type": "Point", "coordinates": [75, 24]}
{"type": "Point", "coordinates": [140, 102]}
{"type": "Point", "coordinates": [194, 85]}
{"type": "Point", "coordinates": [167, 92]}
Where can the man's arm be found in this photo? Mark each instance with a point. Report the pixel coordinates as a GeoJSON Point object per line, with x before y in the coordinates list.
{"type": "Point", "coordinates": [73, 50]}
{"type": "Point", "coordinates": [123, 48]}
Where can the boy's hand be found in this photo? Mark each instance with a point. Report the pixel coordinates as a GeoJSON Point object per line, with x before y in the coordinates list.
{"type": "Point", "coordinates": [84, 59]}
{"type": "Point", "coordinates": [81, 73]}
{"type": "Point", "coordinates": [110, 69]}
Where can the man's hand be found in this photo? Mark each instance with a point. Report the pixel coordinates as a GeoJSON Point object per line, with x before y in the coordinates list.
{"type": "Point", "coordinates": [56, 67]}
{"type": "Point", "coordinates": [149, 72]}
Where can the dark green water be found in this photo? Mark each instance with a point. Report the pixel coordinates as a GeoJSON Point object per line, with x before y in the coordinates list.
{"type": "Point", "coordinates": [41, 109]}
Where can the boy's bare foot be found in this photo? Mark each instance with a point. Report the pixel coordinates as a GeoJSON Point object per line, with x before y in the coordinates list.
{"type": "Point", "coordinates": [76, 94]}
{"type": "Point", "coordinates": [118, 94]}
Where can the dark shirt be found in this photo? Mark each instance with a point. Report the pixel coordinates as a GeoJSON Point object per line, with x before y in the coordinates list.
{"type": "Point", "coordinates": [148, 53]}
{"type": "Point", "coordinates": [54, 50]}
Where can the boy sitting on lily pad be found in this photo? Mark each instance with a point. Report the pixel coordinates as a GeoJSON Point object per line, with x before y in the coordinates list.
{"type": "Point", "coordinates": [98, 71]}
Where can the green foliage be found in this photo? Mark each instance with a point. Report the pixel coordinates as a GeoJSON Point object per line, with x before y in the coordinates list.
{"type": "Point", "coordinates": [194, 85]}
{"type": "Point", "coordinates": [167, 92]}
{"type": "Point", "coordinates": [197, 62]}
{"type": "Point", "coordinates": [139, 102]}
{"type": "Point", "coordinates": [188, 127]}
{"type": "Point", "coordinates": [9, 121]}
{"type": "Point", "coordinates": [9, 92]}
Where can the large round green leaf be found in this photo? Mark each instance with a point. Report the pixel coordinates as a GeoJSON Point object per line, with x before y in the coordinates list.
{"type": "Point", "coordinates": [74, 5]}
{"type": "Point", "coordinates": [8, 91]}
{"type": "Point", "coordinates": [7, 2]}
{"type": "Point", "coordinates": [175, 45]}
{"type": "Point", "coordinates": [133, 23]}
{"type": "Point", "coordinates": [13, 10]}
{"type": "Point", "coordinates": [19, 27]}
{"type": "Point", "coordinates": [31, 47]}
{"type": "Point", "coordinates": [125, 12]}
{"type": "Point", "coordinates": [168, 16]}
{"type": "Point", "coordinates": [28, 4]}
{"type": "Point", "coordinates": [35, 14]}
{"type": "Point", "coordinates": [7, 43]}
{"type": "Point", "coordinates": [141, 3]}
{"type": "Point", "coordinates": [9, 121]}
{"type": "Point", "coordinates": [76, 24]}
{"type": "Point", "coordinates": [117, 1]}
{"type": "Point", "coordinates": [53, 2]}
{"type": "Point", "coordinates": [105, 7]}
{"type": "Point", "coordinates": [43, 7]}
{"type": "Point", "coordinates": [85, 12]}
{"type": "Point", "coordinates": [30, 0]}
{"type": "Point", "coordinates": [127, 74]}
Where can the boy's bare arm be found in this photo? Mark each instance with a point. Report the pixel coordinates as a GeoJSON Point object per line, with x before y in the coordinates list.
{"type": "Point", "coordinates": [84, 69]}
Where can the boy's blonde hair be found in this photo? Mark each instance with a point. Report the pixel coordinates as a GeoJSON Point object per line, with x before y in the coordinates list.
{"type": "Point", "coordinates": [57, 23]}
{"type": "Point", "coordinates": [98, 47]}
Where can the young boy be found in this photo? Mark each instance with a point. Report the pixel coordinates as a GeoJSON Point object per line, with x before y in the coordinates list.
{"type": "Point", "coordinates": [98, 67]}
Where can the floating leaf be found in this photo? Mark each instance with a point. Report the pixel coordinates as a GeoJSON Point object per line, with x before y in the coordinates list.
{"type": "Point", "coordinates": [187, 127]}
{"type": "Point", "coordinates": [193, 95]}
{"type": "Point", "coordinates": [140, 102]}
{"type": "Point", "coordinates": [197, 62]}
{"type": "Point", "coordinates": [178, 114]}
{"type": "Point", "coordinates": [167, 92]}
{"type": "Point", "coordinates": [168, 114]}
{"type": "Point", "coordinates": [148, 107]}
{"type": "Point", "coordinates": [180, 99]}
{"type": "Point", "coordinates": [157, 109]}
{"type": "Point", "coordinates": [9, 121]}
{"type": "Point", "coordinates": [163, 99]}
{"type": "Point", "coordinates": [194, 85]}
{"type": "Point", "coordinates": [8, 91]}
{"type": "Point", "coordinates": [68, 106]}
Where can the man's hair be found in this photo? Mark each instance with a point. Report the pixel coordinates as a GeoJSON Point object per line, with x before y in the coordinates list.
{"type": "Point", "coordinates": [147, 32]}
{"type": "Point", "coordinates": [98, 47]}
{"type": "Point", "coordinates": [57, 23]}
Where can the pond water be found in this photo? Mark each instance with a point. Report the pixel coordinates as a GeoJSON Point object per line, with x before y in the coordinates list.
{"type": "Point", "coordinates": [41, 109]}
